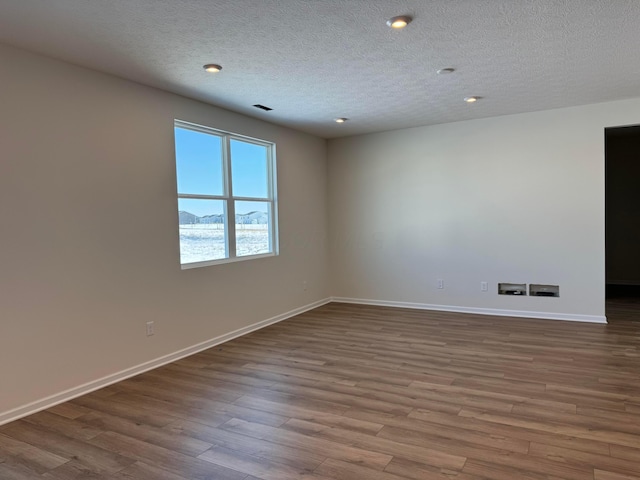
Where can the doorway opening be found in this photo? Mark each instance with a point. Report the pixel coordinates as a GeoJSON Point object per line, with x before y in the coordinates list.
{"type": "Point", "coordinates": [622, 222]}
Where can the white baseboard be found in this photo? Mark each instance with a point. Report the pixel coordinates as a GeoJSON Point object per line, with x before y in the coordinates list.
{"type": "Point", "coordinates": [480, 311]}
{"type": "Point", "coordinates": [88, 387]}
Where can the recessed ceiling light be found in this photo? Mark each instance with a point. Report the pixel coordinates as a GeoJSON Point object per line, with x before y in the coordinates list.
{"type": "Point", "coordinates": [341, 120]}
{"type": "Point", "coordinates": [399, 22]}
{"type": "Point", "coordinates": [446, 71]}
{"type": "Point", "coordinates": [212, 68]}
{"type": "Point", "coordinates": [471, 99]}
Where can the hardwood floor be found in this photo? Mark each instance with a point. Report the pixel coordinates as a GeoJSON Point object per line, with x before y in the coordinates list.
{"type": "Point", "coordinates": [352, 392]}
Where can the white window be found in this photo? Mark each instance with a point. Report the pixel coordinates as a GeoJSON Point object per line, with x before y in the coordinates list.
{"type": "Point", "coordinates": [227, 207]}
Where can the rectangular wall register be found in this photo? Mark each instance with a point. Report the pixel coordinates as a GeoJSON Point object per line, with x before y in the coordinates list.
{"type": "Point", "coordinates": [537, 290]}
{"type": "Point", "coordinates": [512, 289]}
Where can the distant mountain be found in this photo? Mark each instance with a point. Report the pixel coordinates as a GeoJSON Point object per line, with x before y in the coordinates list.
{"type": "Point", "coordinates": [188, 218]}
{"type": "Point", "coordinates": [218, 218]}
{"type": "Point", "coordinates": [252, 217]}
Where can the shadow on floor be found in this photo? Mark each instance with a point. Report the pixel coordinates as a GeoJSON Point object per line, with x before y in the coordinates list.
{"type": "Point", "coordinates": [623, 303]}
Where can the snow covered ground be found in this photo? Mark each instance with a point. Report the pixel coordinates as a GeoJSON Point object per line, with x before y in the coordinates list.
{"type": "Point", "coordinates": [202, 242]}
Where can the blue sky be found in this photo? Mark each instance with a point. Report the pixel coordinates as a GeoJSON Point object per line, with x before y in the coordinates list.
{"type": "Point", "coordinates": [199, 169]}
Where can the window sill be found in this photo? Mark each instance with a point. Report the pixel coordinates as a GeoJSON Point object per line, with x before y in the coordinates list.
{"type": "Point", "coordinates": [188, 266]}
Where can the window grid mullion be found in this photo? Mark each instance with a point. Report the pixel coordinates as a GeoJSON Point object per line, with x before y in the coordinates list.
{"type": "Point", "coordinates": [230, 204]}
{"type": "Point", "coordinates": [201, 197]}
{"type": "Point", "coordinates": [252, 199]}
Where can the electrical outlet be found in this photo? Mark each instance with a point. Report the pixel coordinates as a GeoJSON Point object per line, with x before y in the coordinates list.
{"type": "Point", "coordinates": [484, 287]}
{"type": "Point", "coordinates": [440, 283]}
{"type": "Point", "coordinates": [304, 286]}
{"type": "Point", "coordinates": [151, 330]}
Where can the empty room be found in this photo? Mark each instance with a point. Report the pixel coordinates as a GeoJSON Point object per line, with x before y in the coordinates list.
{"type": "Point", "coordinates": [319, 239]}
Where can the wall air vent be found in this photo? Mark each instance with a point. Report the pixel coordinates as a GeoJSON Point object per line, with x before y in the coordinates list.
{"type": "Point", "coordinates": [536, 290]}
{"type": "Point", "coordinates": [512, 289]}
{"type": "Point", "coordinates": [262, 107]}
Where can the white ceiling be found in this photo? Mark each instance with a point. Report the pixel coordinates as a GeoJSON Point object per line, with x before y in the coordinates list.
{"type": "Point", "coordinates": [314, 60]}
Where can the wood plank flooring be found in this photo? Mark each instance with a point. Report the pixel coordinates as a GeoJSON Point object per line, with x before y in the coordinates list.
{"type": "Point", "coordinates": [353, 392]}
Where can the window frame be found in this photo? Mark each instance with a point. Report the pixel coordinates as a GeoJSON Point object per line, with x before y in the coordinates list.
{"type": "Point", "coordinates": [229, 199]}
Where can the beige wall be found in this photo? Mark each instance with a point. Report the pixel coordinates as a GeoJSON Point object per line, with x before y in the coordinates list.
{"type": "Point", "coordinates": [89, 229]}
{"type": "Point", "coordinates": [516, 198]}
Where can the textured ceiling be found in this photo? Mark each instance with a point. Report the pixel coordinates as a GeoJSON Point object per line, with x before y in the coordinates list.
{"type": "Point", "coordinates": [314, 60]}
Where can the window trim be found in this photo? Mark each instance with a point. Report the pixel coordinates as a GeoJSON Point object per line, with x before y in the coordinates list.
{"type": "Point", "coordinates": [227, 184]}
